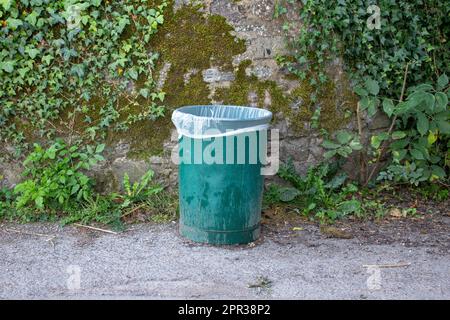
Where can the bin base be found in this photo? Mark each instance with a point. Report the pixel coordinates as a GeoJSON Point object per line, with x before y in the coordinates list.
{"type": "Point", "coordinates": [220, 237]}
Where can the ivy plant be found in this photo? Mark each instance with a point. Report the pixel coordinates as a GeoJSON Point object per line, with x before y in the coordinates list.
{"type": "Point", "coordinates": [91, 56]}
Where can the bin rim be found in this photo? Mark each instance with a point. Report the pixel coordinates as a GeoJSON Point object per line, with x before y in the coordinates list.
{"type": "Point", "coordinates": [198, 121]}
{"type": "Point", "coordinates": [267, 114]}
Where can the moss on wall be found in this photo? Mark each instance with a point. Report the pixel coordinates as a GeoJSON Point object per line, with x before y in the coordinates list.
{"type": "Point", "coordinates": [295, 106]}
{"type": "Point", "coordinates": [190, 41]}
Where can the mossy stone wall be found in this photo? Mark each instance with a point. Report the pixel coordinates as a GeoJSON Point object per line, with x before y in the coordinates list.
{"type": "Point", "coordinates": [223, 51]}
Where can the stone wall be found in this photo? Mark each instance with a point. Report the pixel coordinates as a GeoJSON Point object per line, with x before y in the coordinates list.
{"type": "Point", "coordinates": [223, 52]}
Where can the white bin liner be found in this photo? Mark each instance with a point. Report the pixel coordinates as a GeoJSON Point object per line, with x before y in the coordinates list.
{"type": "Point", "coordinates": [217, 120]}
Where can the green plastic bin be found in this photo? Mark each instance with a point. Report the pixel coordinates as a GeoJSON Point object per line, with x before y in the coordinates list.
{"type": "Point", "coordinates": [222, 151]}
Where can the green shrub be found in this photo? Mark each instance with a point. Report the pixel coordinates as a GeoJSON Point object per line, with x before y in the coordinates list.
{"type": "Point", "coordinates": [322, 191]}
{"type": "Point", "coordinates": [420, 144]}
{"type": "Point", "coordinates": [409, 49]}
{"type": "Point", "coordinates": [55, 177]}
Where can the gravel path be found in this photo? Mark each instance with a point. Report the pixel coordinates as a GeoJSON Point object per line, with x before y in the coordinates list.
{"type": "Point", "coordinates": [153, 261]}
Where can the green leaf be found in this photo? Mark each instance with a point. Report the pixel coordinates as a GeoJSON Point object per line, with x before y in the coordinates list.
{"type": "Point", "coordinates": [32, 52]}
{"type": "Point", "coordinates": [432, 137]}
{"type": "Point", "coordinates": [438, 171]}
{"type": "Point", "coordinates": [337, 181]}
{"type": "Point", "coordinates": [372, 107]}
{"type": "Point", "coordinates": [75, 188]}
{"type": "Point", "coordinates": [442, 82]}
{"type": "Point", "coordinates": [355, 145]}
{"type": "Point", "coordinates": [343, 137]}
{"type": "Point", "coordinates": [7, 66]}
{"type": "Point", "coordinates": [372, 86]}
{"type": "Point", "coordinates": [422, 123]}
{"type": "Point", "coordinates": [398, 135]}
{"type": "Point", "coordinates": [376, 140]}
{"type": "Point", "coordinates": [100, 148]}
{"type": "Point", "coordinates": [329, 154]}
{"type": "Point", "coordinates": [6, 4]}
{"type": "Point", "coordinates": [402, 108]}
{"type": "Point", "coordinates": [288, 194]}
{"type": "Point", "coordinates": [399, 155]}
{"type": "Point", "coordinates": [360, 91]}
{"type": "Point", "coordinates": [13, 24]}
{"type": "Point", "coordinates": [144, 92]}
{"type": "Point", "coordinates": [388, 107]}
{"type": "Point", "coordinates": [364, 103]}
{"type": "Point", "coordinates": [133, 74]}
{"type": "Point", "coordinates": [39, 201]}
{"type": "Point", "coordinates": [31, 18]}
{"type": "Point", "coordinates": [47, 59]}
{"type": "Point", "coordinates": [350, 206]}
{"type": "Point", "coordinates": [416, 154]}
{"type": "Point", "coordinates": [423, 87]}
{"type": "Point", "coordinates": [327, 144]}
{"type": "Point", "coordinates": [441, 101]}
{"type": "Point", "coordinates": [444, 127]}
{"type": "Point", "coordinates": [160, 19]}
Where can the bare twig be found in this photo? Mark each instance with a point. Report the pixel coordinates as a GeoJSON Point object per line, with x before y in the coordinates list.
{"type": "Point", "coordinates": [94, 228]}
{"type": "Point", "coordinates": [396, 265]}
{"type": "Point", "coordinates": [134, 209]}
{"type": "Point", "coordinates": [385, 143]}
{"type": "Point", "coordinates": [362, 160]}
{"type": "Point", "coordinates": [49, 236]}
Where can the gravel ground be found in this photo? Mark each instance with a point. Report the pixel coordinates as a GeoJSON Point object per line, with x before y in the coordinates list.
{"type": "Point", "coordinates": [45, 261]}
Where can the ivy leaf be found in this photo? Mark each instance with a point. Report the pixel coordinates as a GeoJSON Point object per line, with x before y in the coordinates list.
{"type": "Point", "coordinates": [133, 74]}
{"type": "Point", "coordinates": [32, 18]}
{"type": "Point", "coordinates": [442, 82]}
{"type": "Point", "coordinates": [6, 4]}
{"type": "Point", "coordinates": [144, 92]}
{"type": "Point", "coordinates": [160, 19]}
{"type": "Point", "coordinates": [422, 123]}
{"type": "Point", "coordinates": [372, 86]}
{"type": "Point", "coordinates": [14, 23]}
{"type": "Point", "coordinates": [388, 107]}
{"type": "Point", "coordinates": [7, 66]}
{"type": "Point", "coordinates": [32, 52]}
{"type": "Point", "coordinates": [47, 59]}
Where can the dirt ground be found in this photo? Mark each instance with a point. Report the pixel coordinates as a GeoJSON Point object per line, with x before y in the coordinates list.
{"type": "Point", "coordinates": [392, 258]}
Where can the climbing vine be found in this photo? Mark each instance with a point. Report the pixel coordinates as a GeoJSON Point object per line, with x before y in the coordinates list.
{"type": "Point", "coordinates": [64, 62]}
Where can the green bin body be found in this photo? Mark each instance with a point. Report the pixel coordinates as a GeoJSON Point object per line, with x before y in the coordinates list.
{"type": "Point", "coordinates": [220, 202]}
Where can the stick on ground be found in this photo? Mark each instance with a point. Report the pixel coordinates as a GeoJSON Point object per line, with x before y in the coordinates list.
{"type": "Point", "coordinates": [94, 228]}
